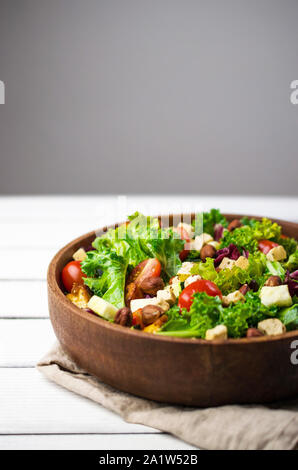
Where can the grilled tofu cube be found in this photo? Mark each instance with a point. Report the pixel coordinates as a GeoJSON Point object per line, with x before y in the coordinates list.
{"type": "Point", "coordinates": [272, 327]}
{"type": "Point", "coordinates": [79, 296]}
{"type": "Point", "coordinates": [277, 253]}
{"type": "Point", "coordinates": [167, 295]}
{"type": "Point", "coordinates": [226, 263]}
{"type": "Point", "coordinates": [233, 298]}
{"type": "Point", "coordinates": [79, 255]}
{"type": "Point", "coordinates": [199, 241]}
{"type": "Point", "coordinates": [176, 286]}
{"type": "Point", "coordinates": [242, 262]}
{"type": "Point", "coordinates": [192, 279]}
{"type": "Point", "coordinates": [219, 332]}
{"type": "Point", "coordinates": [136, 304]}
{"type": "Point", "coordinates": [185, 271]}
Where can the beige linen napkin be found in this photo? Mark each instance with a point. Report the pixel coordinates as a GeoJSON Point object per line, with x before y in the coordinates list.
{"type": "Point", "coordinates": [223, 427]}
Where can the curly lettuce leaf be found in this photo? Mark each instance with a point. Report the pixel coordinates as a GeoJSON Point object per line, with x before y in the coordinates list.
{"type": "Point", "coordinates": [289, 244]}
{"type": "Point", "coordinates": [242, 237]}
{"type": "Point", "coordinates": [206, 312]}
{"type": "Point", "coordinates": [248, 235]}
{"type": "Point", "coordinates": [123, 248]}
{"type": "Point", "coordinates": [228, 280]}
{"type": "Point", "coordinates": [203, 315]}
{"type": "Point", "coordinates": [292, 263]}
{"type": "Point", "coordinates": [205, 270]}
{"type": "Point", "coordinates": [110, 272]}
{"type": "Point", "coordinates": [289, 317]}
{"type": "Point", "coordinates": [243, 315]}
{"type": "Point", "coordinates": [204, 222]}
{"type": "Point", "coordinates": [257, 267]}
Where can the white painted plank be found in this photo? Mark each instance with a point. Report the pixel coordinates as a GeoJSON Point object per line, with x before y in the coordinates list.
{"type": "Point", "coordinates": [42, 234]}
{"type": "Point", "coordinates": [32, 263]}
{"type": "Point", "coordinates": [31, 295]}
{"type": "Point", "coordinates": [53, 222]}
{"type": "Point", "coordinates": [25, 263]}
{"type": "Point", "coordinates": [24, 342]}
{"type": "Point", "coordinates": [30, 404]}
{"type": "Point", "coordinates": [94, 442]}
{"type": "Point", "coordinates": [93, 207]}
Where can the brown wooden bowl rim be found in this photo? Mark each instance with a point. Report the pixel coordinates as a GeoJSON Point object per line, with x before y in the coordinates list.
{"type": "Point", "coordinates": [93, 318]}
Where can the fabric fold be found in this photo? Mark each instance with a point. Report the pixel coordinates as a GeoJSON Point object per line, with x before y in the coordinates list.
{"type": "Point", "coordinates": [231, 427]}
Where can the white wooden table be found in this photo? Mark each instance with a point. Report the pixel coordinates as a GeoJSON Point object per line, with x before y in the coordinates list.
{"type": "Point", "coordinates": [35, 413]}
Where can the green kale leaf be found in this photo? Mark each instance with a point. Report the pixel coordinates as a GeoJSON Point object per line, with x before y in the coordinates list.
{"type": "Point", "coordinates": [204, 222]}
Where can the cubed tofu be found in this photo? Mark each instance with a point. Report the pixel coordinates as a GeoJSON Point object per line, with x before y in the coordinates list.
{"type": "Point", "coordinates": [176, 286]}
{"type": "Point", "coordinates": [219, 332]}
{"type": "Point", "coordinates": [184, 271]}
{"type": "Point", "coordinates": [192, 279]}
{"type": "Point", "coordinates": [277, 253]}
{"type": "Point", "coordinates": [226, 263]}
{"type": "Point", "coordinates": [188, 228]}
{"type": "Point", "coordinates": [276, 295]}
{"type": "Point", "coordinates": [215, 244]}
{"type": "Point", "coordinates": [242, 262]}
{"type": "Point", "coordinates": [233, 298]}
{"type": "Point", "coordinates": [272, 327]}
{"type": "Point", "coordinates": [102, 307]}
{"type": "Point", "coordinates": [135, 304]}
{"type": "Point", "coordinates": [163, 305]}
{"type": "Point", "coordinates": [167, 295]}
{"type": "Point", "coordinates": [199, 241]}
{"type": "Point", "coordinates": [79, 255]}
{"type": "Point", "coordinates": [207, 238]}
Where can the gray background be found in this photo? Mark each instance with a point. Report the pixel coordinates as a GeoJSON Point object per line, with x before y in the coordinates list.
{"type": "Point", "coordinates": [159, 96]}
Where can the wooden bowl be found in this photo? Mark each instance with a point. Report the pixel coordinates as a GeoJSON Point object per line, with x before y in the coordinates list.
{"type": "Point", "coordinates": [191, 372]}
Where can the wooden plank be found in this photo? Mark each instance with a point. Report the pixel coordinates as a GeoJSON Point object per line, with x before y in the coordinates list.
{"type": "Point", "coordinates": [94, 442]}
{"type": "Point", "coordinates": [24, 342]}
{"type": "Point", "coordinates": [25, 263]}
{"type": "Point", "coordinates": [30, 404]}
{"type": "Point", "coordinates": [31, 299]}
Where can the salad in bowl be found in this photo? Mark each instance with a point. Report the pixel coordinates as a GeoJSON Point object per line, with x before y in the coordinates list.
{"type": "Point", "coordinates": [208, 278]}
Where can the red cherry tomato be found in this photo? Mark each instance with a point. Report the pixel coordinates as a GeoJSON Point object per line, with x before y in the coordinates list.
{"type": "Point", "coordinates": [184, 236]}
{"type": "Point", "coordinates": [202, 285]}
{"type": "Point", "coordinates": [137, 318]}
{"type": "Point", "coordinates": [266, 245]}
{"type": "Point", "coordinates": [183, 254]}
{"type": "Point", "coordinates": [152, 268]}
{"type": "Point", "coordinates": [72, 273]}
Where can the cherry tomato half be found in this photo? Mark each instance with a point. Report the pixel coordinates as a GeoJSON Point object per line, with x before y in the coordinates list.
{"type": "Point", "coordinates": [146, 269]}
{"type": "Point", "coordinates": [137, 318]}
{"type": "Point", "coordinates": [184, 236]}
{"type": "Point", "coordinates": [202, 285]}
{"type": "Point", "coordinates": [266, 245]}
{"type": "Point", "coordinates": [152, 268]}
{"type": "Point", "coordinates": [72, 273]}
